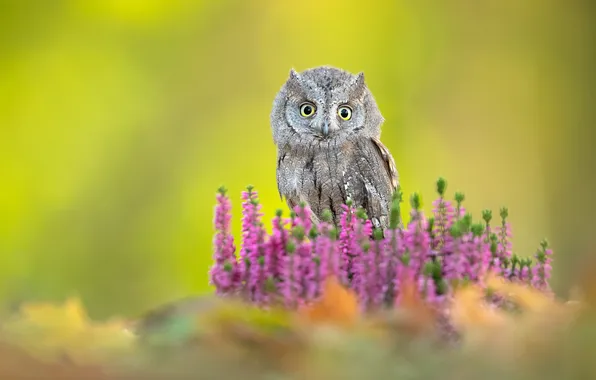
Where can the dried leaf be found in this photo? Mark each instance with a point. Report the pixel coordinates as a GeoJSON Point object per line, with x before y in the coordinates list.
{"type": "Point", "coordinates": [421, 317]}
{"type": "Point", "coordinates": [337, 306]}
{"type": "Point", "coordinates": [468, 310]}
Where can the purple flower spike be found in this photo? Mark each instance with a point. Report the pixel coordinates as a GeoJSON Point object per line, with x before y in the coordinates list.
{"type": "Point", "coordinates": [417, 238]}
{"type": "Point", "coordinates": [541, 271]}
{"type": "Point", "coordinates": [290, 285]}
{"type": "Point", "coordinates": [346, 242]}
{"type": "Point", "coordinates": [291, 264]}
{"type": "Point", "coordinates": [389, 266]}
{"type": "Point", "coordinates": [479, 255]}
{"type": "Point", "coordinates": [326, 253]}
{"type": "Point", "coordinates": [417, 243]}
{"type": "Point", "coordinates": [303, 216]}
{"type": "Point", "coordinates": [362, 264]}
{"type": "Point", "coordinates": [378, 276]}
{"type": "Point", "coordinates": [308, 270]}
{"type": "Point", "coordinates": [454, 260]}
{"type": "Point", "coordinates": [253, 247]}
{"type": "Point", "coordinates": [260, 268]}
{"type": "Point", "coordinates": [443, 213]}
{"type": "Point", "coordinates": [504, 236]}
{"type": "Point", "coordinates": [225, 272]}
{"type": "Point", "coordinates": [277, 245]}
{"type": "Point", "coordinates": [358, 252]}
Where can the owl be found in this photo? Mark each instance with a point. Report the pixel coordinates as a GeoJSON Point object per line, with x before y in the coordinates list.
{"type": "Point", "coordinates": [327, 127]}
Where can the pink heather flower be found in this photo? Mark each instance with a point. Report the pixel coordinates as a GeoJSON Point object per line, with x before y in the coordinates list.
{"type": "Point", "coordinates": [417, 242]}
{"type": "Point", "coordinates": [480, 260]}
{"type": "Point", "coordinates": [346, 241]}
{"type": "Point", "coordinates": [542, 269]}
{"type": "Point", "coordinates": [361, 260]}
{"type": "Point", "coordinates": [225, 273]}
{"type": "Point", "coordinates": [389, 268]}
{"type": "Point", "coordinates": [260, 268]}
{"type": "Point", "coordinates": [277, 245]}
{"type": "Point", "coordinates": [253, 233]}
{"type": "Point", "coordinates": [361, 283]}
{"type": "Point", "coordinates": [504, 236]}
{"type": "Point", "coordinates": [378, 276]}
{"type": "Point", "coordinates": [444, 214]}
{"type": "Point", "coordinates": [454, 259]}
{"type": "Point", "coordinates": [290, 286]}
{"type": "Point", "coordinates": [303, 217]}
{"type": "Point", "coordinates": [304, 250]}
{"type": "Point", "coordinates": [519, 270]}
{"type": "Point", "coordinates": [524, 274]}
{"type": "Point", "coordinates": [291, 265]}
{"type": "Point", "coordinates": [326, 254]}
{"type": "Point", "coordinates": [308, 270]}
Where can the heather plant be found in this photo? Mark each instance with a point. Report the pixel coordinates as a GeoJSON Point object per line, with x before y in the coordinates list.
{"type": "Point", "coordinates": [312, 300]}
{"type": "Point", "coordinates": [438, 253]}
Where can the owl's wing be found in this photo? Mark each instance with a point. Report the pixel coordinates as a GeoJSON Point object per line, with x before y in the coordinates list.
{"type": "Point", "coordinates": [388, 161]}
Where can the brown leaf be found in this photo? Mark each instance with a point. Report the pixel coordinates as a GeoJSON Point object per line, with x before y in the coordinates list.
{"type": "Point", "coordinates": [469, 311]}
{"type": "Point", "coordinates": [417, 316]}
{"type": "Point", "coordinates": [338, 306]}
{"type": "Point", "coordinates": [412, 317]}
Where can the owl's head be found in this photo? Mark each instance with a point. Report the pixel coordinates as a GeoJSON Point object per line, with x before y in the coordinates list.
{"type": "Point", "coordinates": [324, 103]}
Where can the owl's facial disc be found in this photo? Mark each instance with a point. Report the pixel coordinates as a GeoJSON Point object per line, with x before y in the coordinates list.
{"type": "Point", "coordinates": [325, 104]}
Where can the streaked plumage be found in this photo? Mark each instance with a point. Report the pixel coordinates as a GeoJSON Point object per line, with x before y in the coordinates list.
{"type": "Point", "coordinates": [324, 159]}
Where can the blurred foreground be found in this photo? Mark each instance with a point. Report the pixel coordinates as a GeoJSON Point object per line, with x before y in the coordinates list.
{"type": "Point", "coordinates": [542, 339]}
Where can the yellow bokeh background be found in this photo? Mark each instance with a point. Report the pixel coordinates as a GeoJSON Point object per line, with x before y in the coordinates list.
{"type": "Point", "coordinates": [120, 118]}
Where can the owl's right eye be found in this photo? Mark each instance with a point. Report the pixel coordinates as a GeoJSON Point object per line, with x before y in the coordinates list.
{"type": "Point", "coordinates": [307, 109]}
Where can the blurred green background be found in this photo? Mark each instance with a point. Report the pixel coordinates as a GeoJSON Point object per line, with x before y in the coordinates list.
{"type": "Point", "coordinates": [119, 119]}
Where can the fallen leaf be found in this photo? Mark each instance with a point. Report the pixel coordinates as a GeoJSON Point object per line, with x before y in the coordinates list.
{"type": "Point", "coordinates": [468, 310]}
{"type": "Point", "coordinates": [421, 317]}
{"type": "Point", "coordinates": [337, 306]}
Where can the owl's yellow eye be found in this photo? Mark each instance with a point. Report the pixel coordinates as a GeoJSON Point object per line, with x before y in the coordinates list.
{"type": "Point", "coordinates": [345, 112]}
{"type": "Point", "coordinates": [307, 109]}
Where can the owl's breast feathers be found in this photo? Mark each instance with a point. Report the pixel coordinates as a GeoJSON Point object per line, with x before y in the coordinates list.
{"type": "Point", "coordinates": [325, 174]}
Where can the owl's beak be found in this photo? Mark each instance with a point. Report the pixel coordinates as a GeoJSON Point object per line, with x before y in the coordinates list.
{"type": "Point", "coordinates": [325, 129]}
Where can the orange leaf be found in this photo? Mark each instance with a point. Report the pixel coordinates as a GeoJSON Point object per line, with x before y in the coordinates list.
{"type": "Point", "coordinates": [338, 306]}
{"type": "Point", "coordinates": [469, 311]}
{"type": "Point", "coordinates": [420, 316]}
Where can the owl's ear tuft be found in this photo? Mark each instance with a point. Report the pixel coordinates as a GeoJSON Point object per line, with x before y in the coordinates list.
{"type": "Point", "coordinates": [294, 76]}
{"type": "Point", "coordinates": [358, 86]}
{"type": "Point", "coordinates": [359, 81]}
{"type": "Point", "coordinates": [294, 83]}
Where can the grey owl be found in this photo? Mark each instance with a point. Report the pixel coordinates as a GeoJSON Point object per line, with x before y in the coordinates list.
{"type": "Point", "coordinates": [327, 126]}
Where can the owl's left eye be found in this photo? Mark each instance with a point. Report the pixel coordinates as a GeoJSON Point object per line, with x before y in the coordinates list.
{"type": "Point", "coordinates": [345, 112]}
{"type": "Point", "coordinates": [307, 109]}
